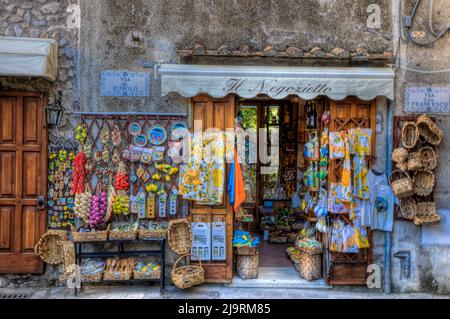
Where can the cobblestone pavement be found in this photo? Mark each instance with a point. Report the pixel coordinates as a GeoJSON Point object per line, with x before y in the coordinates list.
{"type": "Point", "coordinates": [209, 292]}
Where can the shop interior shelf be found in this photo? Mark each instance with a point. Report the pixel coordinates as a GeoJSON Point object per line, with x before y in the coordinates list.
{"type": "Point", "coordinates": [121, 251]}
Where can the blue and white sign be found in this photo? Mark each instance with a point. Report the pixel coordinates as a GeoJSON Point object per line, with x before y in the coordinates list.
{"type": "Point", "coordinates": [124, 84]}
{"type": "Point", "coordinates": [427, 100]}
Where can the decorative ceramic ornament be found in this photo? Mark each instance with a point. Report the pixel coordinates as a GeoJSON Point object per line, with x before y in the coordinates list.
{"type": "Point", "coordinates": [140, 140]}
{"type": "Point", "coordinates": [145, 177]}
{"type": "Point", "coordinates": [141, 205]}
{"type": "Point", "coordinates": [157, 135]}
{"type": "Point", "coordinates": [178, 131]}
{"type": "Point", "coordinates": [134, 128]}
{"type": "Point", "coordinates": [146, 158]}
{"type": "Point", "coordinates": [158, 154]}
{"type": "Point", "coordinates": [173, 199]}
{"type": "Point", "coordinates": [162, 205]}
{"type": "Point", "coordinates": [140, 172]}
{"type": "Point", "coordinates": [151, 206]}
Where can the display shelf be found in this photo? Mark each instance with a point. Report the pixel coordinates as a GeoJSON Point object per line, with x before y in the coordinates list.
{"type": "Point", "coordinates": [122, 252]}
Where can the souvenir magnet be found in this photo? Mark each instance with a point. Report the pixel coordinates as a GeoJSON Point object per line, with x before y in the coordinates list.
{"type": "Point", "coordinates": [134, 128]}
{"type": "Point", "coordinates": [173, 202]}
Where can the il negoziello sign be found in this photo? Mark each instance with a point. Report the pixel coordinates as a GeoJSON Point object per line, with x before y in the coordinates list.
{"type": "Point", "coordinates": [125, 84]}
{"type": "Point", "coordinates": [275, 88]}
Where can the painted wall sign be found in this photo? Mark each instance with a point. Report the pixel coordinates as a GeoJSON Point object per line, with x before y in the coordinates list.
{"type": "Point", "coordinates": [427, 100]}
{"type": "Point", "coordinates": [124, 84]}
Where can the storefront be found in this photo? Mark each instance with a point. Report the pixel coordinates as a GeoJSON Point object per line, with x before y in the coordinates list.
{"type": "Point", "coordinates": [308, 109]}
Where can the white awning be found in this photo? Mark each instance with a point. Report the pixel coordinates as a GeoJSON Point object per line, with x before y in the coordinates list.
{"type": "Point", "coordinates": [276, 82]}
{"type": "Point", "coordinates": [28, 57]}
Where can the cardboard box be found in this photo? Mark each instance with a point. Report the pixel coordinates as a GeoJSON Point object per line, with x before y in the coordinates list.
{"type": "Point", "coordinates": [201, 241]}
{"type": "Point", "coordinates": [219, 241]}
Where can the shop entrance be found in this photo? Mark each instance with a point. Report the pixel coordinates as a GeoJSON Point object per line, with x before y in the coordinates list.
{"type": "Point", "coordinates": [277, 193]}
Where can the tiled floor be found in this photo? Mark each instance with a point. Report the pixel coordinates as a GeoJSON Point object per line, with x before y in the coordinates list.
{"type": "Point", "coordinates": [274, 255]}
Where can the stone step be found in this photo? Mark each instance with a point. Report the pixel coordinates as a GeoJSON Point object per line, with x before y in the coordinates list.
{"type": "Point", "coordinates": [278, 277]}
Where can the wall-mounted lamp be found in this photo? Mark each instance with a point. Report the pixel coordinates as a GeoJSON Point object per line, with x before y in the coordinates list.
{"type": "Point", "coordinates": [55, 111]}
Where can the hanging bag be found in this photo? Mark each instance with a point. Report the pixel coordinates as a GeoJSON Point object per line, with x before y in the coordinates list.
{"type": "Point", "coordinates": [401, 184]}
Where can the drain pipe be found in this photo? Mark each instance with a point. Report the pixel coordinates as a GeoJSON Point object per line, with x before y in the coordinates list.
{"type": "Point", "coordinates": [388, 235]}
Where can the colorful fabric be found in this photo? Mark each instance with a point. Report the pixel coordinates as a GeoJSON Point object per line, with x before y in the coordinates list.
{"type": "Point", "coordinates": [360, 141]}
{"type": "Point", "coordinates": [346, 178]}
{"type": "Point", "coordinates": [360, 185]}
{"type": "Point", "coordinates": [337, 241]}
{"type": "Point", "coordinates": [235, 187]}
{"type": "Point", "coordinates": [337, 145]}
{"type": "Point", "coordinates": [243, 238]}
{"type": "Point", "coordinates": [335, 205]}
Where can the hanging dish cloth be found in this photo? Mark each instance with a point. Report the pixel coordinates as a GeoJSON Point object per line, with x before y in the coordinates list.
{"type": "Point", "coordinates": [346, 177]}
{"type": "Point", "coordinates": [360, 147]}
{"type": "Point", "coordinates": [334, 203]}
{"type": "Point", "coordinates": [337, 145]}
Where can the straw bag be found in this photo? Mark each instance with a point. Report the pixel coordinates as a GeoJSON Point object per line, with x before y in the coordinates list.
{"type": "Point", "coordinates": [426, 214]}
{"type": "Point", "coordinates": [187, 276]}
{"type": "Point", "coordinates": [428, 157]}
{"type": "Point", "coordinates": [429, 130]}
{"type": "Point", "coordinates": [410, 135]}
{"type": "Point", "coordinates": [98, 235]}
{"type": "Point", "coordinates": [401, 184]}
{"type": "Point", "coordinates": [48, 249]}
{"type": "Point", "coordinates": [414, 161]}
{"type": "Point", "coordinates": [68, 251]}
{"type": "Point", "coordinates": [424, 182]}
{"type": "Point", "coordinates": [247, 266]}
{"type": "Point", "coordinates": [408, 208]}
{"type": "Point", "coordinates": [179, 235]}
{"type": "Point", "coordinates": [400, 155]}
{"type": "Point", "coordinates": [309, 266]}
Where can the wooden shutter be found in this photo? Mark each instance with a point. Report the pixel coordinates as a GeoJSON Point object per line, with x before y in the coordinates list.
{"type": "Point", "coordinates": [220, 114]}
{"type": "Point", "coordinates": [350, 269]}
{"type": "Point", "coordinates": [23, 177]}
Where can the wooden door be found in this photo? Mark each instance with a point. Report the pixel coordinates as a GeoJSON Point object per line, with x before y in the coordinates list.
{"type": "Point", "coordinates": [350, 269]}
{"type": "Point", "coordinates": [220, 114]}
{"type": "Point", "coordinates": [23, 177]}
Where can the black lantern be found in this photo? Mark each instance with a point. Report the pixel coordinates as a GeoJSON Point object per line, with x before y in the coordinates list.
{"type": "Point", "coordinates": [55, 111]}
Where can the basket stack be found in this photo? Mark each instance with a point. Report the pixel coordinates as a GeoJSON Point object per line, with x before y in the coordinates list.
{"type": "Point", "coordinates": [414, 180]}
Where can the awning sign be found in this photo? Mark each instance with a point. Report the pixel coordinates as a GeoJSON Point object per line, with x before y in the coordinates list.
{"type": "Point", "coordinates": [276, 82]}
{"type": "Point", "coordinates": [427, 100]}
{"type": "Point", "coordinates": [124, 84]}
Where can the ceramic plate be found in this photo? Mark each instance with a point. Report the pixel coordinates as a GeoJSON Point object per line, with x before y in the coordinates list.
{"type": "Point", "coordinates": [157, 135]}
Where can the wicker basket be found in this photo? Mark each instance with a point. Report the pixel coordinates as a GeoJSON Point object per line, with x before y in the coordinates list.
{"type": "Point", "coordinates": [424, 182]}
{"type": "Point", "coordinates": [142, 275]}
{"type": "Point", "coordinates": [99, 235]}
{"type": "Point", "coordinates": [429, 130]}
{"type": "Point", "coordinates": [122, 235]}
{"type": "Point", "coordinates": [295, 256]}
{"type": "Point", "coordinates": [426, 214]}
{"type": "Point", "coordinates": [152, 233]}
{"type": "Point", "coordinates": [48, 249]}
{"type": "Point", "coordinates": [309, 250]}
{"type": "Point", "coordinates": [247, 266]}
{"type": "Point", "coordinates": [410, 135]}
{"type": "Point", "coordinates": [246, 251]}
{"type": "Point", "coordinates": [400, 155]}
{"type": "Point", "coordinates": [402, 166]}
{"type": "Point", "coordinates": [92, 277]}
{"type": "Point", "coordinates": [179, 236]}
{"type": "Point", "coordinates": [187, 276]}
{"type": "Point", "coordinates": [309, 266]}
{"type": "Point", "coordinates": [408, 208]}
{"type": "Point", "coordinates": [414, 161]}
{"type": "Point", "coordinates": [119, 269]}
{"type": "Point", "coordinates": [401, 184]}
{"type": "Point", "coordinates": [428, 157]}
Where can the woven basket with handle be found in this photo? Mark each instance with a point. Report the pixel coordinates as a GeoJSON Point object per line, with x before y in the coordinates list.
{"type": "Point", "coordinates": [400, 155]}
{"type": "Point", "coordinates": [426, 214]}
{"type": "Point", "coordinates": [179, 235]}
{"type": "Point", "coordinates": [429, 130]}
{"type": "Point", "coordinates": [424, 182]}
{"type": "Point", "coordinates": [428, 157]}
{"type": "Point", "coordinates": [401, 184]}
{"type": "Point", "coordinates": [414, 161]}
{"type": "Point", "coordinates": [187, 276]}
{"type": "Point", "coordinates": [48, 249]}
{"type": "Point", "coordinates": [410, 135]}
{"type": "Point", "coordinates": [309, 266]}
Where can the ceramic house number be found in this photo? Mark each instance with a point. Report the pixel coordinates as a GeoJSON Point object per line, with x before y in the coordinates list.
{"type": "Point", "coordinates": [162, 205]}
{"type": "Point", "coordinates": [173, 199]}
{"type": "Point", "coordinates": [140, 203]}
{"type": "Point", "coordinates": [151, 203]}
